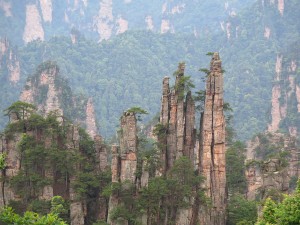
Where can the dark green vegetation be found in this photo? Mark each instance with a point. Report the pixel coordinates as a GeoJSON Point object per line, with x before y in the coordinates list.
{"type": "Point", "coordinates": [162, 198]}
{"type": "Point", "coordinates": [8, 216]}
{"type": "Point", "coordinates": [50, 156]}
{"type": "Point", "coordinates": [240, 210]}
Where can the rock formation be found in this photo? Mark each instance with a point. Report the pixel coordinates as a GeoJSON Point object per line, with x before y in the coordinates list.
{"type": "Point", "coordinates": [9, 61]}
{"type": "Point", "coordinates": [177, 137]}
{"type": "Point", "coordinates": [177, 119]}
{"type": "Point", "coordinates": [50, 93]}
{"type": "Point", "coordinates": [270, 172]}
{"type": "Point", "coordinates": [212, 161]}
{"type": "Point", "coordinates": [124, 159]}
{"type": "Point", "coordinates": [33, 25]}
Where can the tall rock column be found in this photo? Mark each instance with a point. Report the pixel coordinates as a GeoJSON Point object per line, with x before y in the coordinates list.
{"type": "Point", "coordinates": [124, 161]}
{"type": "Point", "coordinates": [177, 121]}
{"type": "Point", "coordinates": [180, 120]}
{"type": "Point", "coordinates": [77, 207]}
{"type": "Point", "coordinates": [212, 163]}
{"type": "Point", "coordinates": [164, 120]}
{"type": "Point", "coordinates": [128, 147]}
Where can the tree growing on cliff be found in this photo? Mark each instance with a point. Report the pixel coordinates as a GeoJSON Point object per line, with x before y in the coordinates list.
{"type": "Point", "coordinates": [285, 212]}
{"type": "Point", "coordinates": [20, 110]}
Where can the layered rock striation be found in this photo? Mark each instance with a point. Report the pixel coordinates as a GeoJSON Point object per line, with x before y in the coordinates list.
{"type": "Point", "coordinates": [177, 137]}
{"type": "Point", "coordinates": [212, 161]}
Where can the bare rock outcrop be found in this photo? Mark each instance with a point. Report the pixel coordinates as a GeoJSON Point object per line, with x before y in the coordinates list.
{"type": "Point", "coordinates": [42, 90]}
{"type": "Point", "coordinates": [212, 162]}
{"type": "Point", "coordinates": [90, 121]}
{"type": "Point", "coordinates": [285, 92]}
{"type": "Point", "coordinates": [124, 159]}
{"type": "Point", "coordinates": [267, 173]}
{"type": "Point", "coordinates": [33, 24]}
{"type": "Point", "coordinates": [46, 7]}
{"type": "Point", "coordinates": [11, 62]}
{"type": "Point", "coordinates": [177, 123]}
{"type": "Point", "coordinates": [104, 20]}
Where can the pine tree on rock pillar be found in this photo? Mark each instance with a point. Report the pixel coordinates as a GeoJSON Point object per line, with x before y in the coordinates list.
{"type": "Point", "coordinates": [212, 162]}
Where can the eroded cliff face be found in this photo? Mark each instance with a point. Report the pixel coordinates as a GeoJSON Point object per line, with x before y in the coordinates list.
{"type": "Point", "coordinates": [285, 96]}
{"type": "Point", "coordinates": [104, 20]}
{"type": "Point", "coordinates": [49, 92]}
{"type": "Point", "coordinates": [9, 61]}
{"type": "Point", "coordinates": [33, 29]}
{"type": "Point", "coordinates": [46, 7]}
{"type": "Point", "coordinates": [271, 165]}
{"type": "Point", "coordinates": [42, 91]}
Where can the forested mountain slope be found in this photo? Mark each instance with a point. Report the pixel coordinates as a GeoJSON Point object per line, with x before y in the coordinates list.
{"type": "Point", "coordinates": [126, 70]}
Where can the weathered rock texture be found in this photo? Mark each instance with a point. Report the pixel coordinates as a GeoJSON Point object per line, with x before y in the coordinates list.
{"type": "Point", "coordinates": [42, 90]}
{"type": "Point", "coordinates": [13, 165]}
{"type": "Point", "coordinates": [104, 20]}
{"type": "Point", "coordinates": [268, 174]}
{"type": "Point", "coordinates": [46, 6]}
{"type": "Point", "coordinates": [90, 121]}
{"type": "Point", "coordinates": [212, 161]}
{"type": "Point", "coordinates": [59, 184]}
{"type": "Point", "coordinates": [124, 159]}
{"type": "Point", "coordinates": [9, 61]}
{"type": "Point", "coordinates": [285, 96]}
{"type": "Point", "coordinates": [128, 147]}
{"type": "Point", "coordinates": [177, 137]}
{"type": "Point", "coordinates": [49, 92]}
{"type": "Point", "coordinates": [177, 119]}
{"type": "Point", "coordinates": [33, 24]}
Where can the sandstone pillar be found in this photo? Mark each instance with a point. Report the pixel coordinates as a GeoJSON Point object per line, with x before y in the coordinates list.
{"type": "Point", "coordinates": [212, 162]}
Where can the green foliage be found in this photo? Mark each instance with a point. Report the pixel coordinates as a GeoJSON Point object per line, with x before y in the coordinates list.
{"type": "Point", "coordinates": [204, 70]}
{"type": "Point", "coordinates": [20, 109]}
{"type": "Point", "coordinates": [8, 216]}
{"type": "Point", "coordinates": [136, 110]}
{"type": "Point", "coordinates": [285, 212]}
{"type": "Point", "coordinates": [183, 85]}
{"type": "Point", "coordinates": [163, 195]}
{"type": "Point", "coordinates": [100, 223]}
{"type": "Point", "coordinates": [41, 207]}
{"type": "Point", "coordinates": [268, 149]}
{"type": "Point", "coordinates": [210, 53]}
{"type": "Point", "coordinates": [160, 130]}
{"type": "Point", "coordinates": [2, 161]}
{"type": "Point", "coordinates": [241, 211]}
{"type": "Point", "coordinates": [46, 148]}
{"type": "Point", "coordinates": [58, 205]}
{"type": "Point", "coordinates": [199, 98]}
{"type": "Point", "coordinates": [235, 168]}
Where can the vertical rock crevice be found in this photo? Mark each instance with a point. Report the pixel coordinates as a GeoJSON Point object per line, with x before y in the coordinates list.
{"type": "Point", "coordinates": [212, 153]}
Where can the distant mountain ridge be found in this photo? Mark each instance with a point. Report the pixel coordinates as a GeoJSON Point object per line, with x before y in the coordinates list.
{"type": "Point", "coordinates": [31, 20]}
